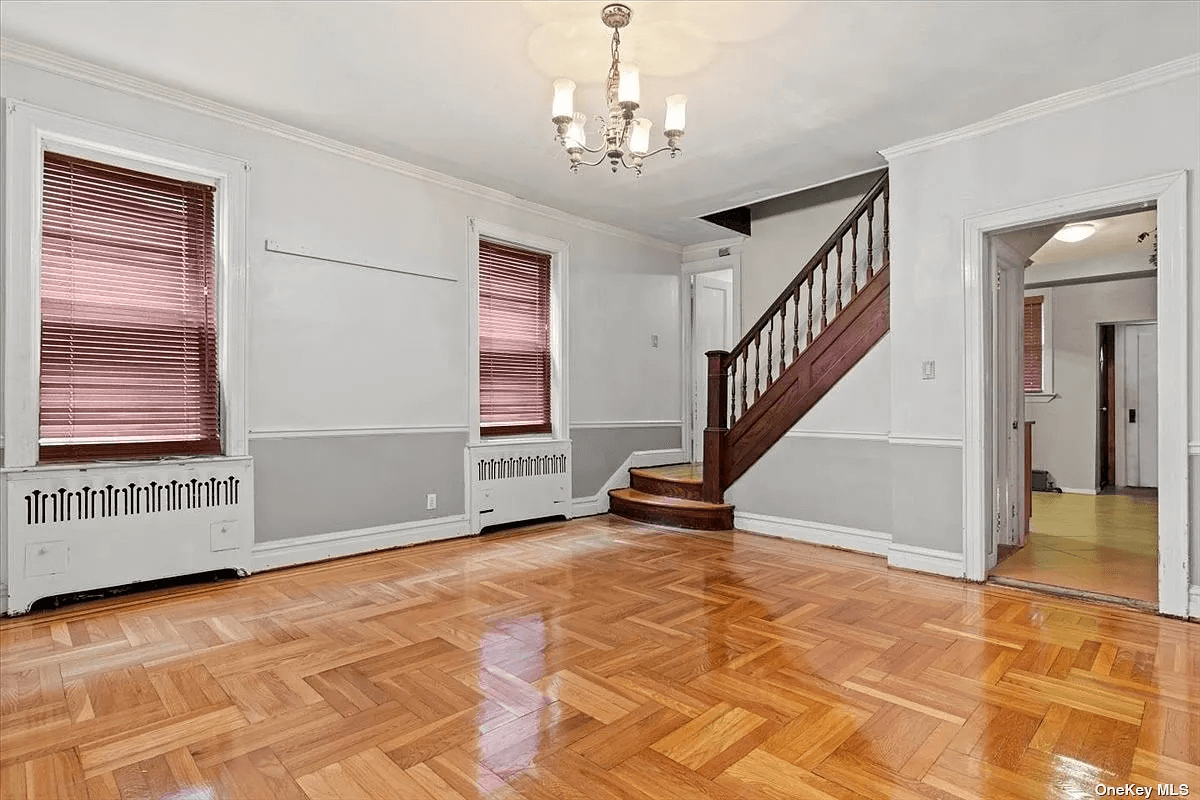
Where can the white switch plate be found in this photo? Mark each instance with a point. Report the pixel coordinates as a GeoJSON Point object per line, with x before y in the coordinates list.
{"type": "Point", "coordinates": [430, 501]}
{"type": "Point", "coordinates": [654, 340]}
{"type": "Point", "coordinates": [928, 370]}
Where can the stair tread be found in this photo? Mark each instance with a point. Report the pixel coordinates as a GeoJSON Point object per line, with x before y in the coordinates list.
{"type": "Point", "coordinates": [634, 495]}
{"type": "Point", "coordinates": [654, 473]}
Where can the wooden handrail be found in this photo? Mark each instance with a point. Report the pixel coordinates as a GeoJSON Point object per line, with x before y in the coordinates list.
{"type": "Point", "coordinates": [878, 188]}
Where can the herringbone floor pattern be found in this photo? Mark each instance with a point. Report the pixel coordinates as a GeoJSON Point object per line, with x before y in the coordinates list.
{"type": "Point", "coordinates": [595, 660]}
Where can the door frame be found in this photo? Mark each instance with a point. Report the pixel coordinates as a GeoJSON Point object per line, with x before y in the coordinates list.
{"type": "Point", "coordinates": [732, 261]}
{"type": "Point", "coordinates": [1169, 193]}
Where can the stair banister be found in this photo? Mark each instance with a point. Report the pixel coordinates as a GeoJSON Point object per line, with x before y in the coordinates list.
{"type": "Point", "coordinates": [725, 448]}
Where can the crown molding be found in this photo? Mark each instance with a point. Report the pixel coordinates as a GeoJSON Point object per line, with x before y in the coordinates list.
{"type": "Point", "coordinates": [1172, 70]}
{"type": "Point", "coordinates": [18, 52]}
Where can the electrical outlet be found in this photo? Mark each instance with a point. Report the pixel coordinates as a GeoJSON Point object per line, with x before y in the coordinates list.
{"type": "Point", "coordinates": [430, 501]}
{"type": "Point", "coordinates": [654, 340]}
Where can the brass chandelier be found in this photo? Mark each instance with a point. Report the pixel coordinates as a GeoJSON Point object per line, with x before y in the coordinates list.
{"type": "Point", "coordinates": [624, 138]}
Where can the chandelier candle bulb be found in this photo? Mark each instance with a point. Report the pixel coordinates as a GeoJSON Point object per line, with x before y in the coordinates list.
{"type": "Point", "coordinates": [639, 137]}
{"type": "Point", "coordinates": [629, 86]}
{"type": "Point", "coordinates": [576, 137]}
{"type": "Point", "coordinates": [676, 114]}
{"type": "Point", "coordinates": [563, 109]}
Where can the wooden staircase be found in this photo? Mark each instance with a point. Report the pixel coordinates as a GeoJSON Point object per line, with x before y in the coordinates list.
{"type": "Point", "coordinates": [830, 315]}
{"type": "Point", "coordinates": [670, 495]}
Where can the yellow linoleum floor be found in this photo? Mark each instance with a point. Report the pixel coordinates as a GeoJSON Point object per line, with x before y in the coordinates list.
{"type": "Point", "coordinates": [1106, 544]}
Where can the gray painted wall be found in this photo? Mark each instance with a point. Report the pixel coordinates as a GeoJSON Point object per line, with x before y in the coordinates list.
{"type": "Point", "coordinates": [835, 481]}
{"type": "Point", "coordinates": [323, 484]}
{"type": "Point", "coordinates": [927, 496]}
{"type": "Point", "coordinates": [596, 453]}
{"type": "Point", "coordinates": [1064, 438]}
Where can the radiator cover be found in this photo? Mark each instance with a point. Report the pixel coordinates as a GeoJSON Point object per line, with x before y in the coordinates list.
{"type": "Point", "coordinates": [518, 481]}
{"type": "Point", "coordinates": [78, 529]}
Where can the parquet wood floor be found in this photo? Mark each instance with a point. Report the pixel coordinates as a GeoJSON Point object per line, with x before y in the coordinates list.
{"type": "Point", "coordinates": [597, 659]}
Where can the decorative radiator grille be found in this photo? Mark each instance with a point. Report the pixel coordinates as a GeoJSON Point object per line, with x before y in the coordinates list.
{"type": "Point", "coordinates": [67, 505]}
{"type": "Point", "coordinates": [499, 468]}
{"type": "Point", "coordinates": [518, 481]}
{"type": "Point", "coordinates": [73, 529]}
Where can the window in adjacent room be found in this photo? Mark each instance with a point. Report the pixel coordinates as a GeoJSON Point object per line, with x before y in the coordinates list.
{"type": "Point", "coordinates": [515, 335]}
{"type": "Point", "coordinates": [128, 314]}
{"type": "Point", "coordinates": [1034, 342]}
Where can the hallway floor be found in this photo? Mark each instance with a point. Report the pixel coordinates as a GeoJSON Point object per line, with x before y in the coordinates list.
{"type": "Point", "coordinates": [1106, 544]}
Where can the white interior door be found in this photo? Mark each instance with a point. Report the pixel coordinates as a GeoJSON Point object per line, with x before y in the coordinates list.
{"type": "Point", "coordinates": [1140, 389]}
{"type": "Point", "coordinates": [1008, 414]}
{"type": "Point", "coordinates": [712, 329]}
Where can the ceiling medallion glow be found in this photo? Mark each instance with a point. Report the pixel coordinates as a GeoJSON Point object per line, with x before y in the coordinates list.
{"type": "Point", "coordinates": [1076, 232]}
{"type": "Point", "coordinates": [625, 139]}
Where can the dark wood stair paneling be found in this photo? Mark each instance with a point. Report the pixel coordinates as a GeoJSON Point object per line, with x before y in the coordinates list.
{"type": "Point", "coordinates": [852, 333]}
{"type": "Point", "coordinates": [677, 512]}
{"type": "Point", "coordinates": [651, 481]}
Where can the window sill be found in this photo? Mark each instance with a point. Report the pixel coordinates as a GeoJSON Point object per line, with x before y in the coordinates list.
{"type": "Point", "coordinates": [1039, 397]}
{"type": "Point", "coordinates": [84, 466]}
{"type": "Point", "coordinates": [508, 441]}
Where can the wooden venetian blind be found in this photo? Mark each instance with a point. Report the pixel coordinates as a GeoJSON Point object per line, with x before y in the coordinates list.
{"type": "Point", "coordinates": [514, 340]}
{"type": "Point", "coordinates": [1033, 344]}
{"type": "Point", "coordinates": [128, 332]}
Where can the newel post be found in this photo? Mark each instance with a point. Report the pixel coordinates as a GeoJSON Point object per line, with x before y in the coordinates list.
{"type": "Point", "coordinates": [718, 421]}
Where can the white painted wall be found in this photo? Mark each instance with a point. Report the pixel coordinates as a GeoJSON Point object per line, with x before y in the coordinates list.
{"type": "Point", "coordinates": [1115, 138]}
{"type": "Point", "coordinates": [337, 346]}
{"type": "Point", "coordinates": [1064, 438]}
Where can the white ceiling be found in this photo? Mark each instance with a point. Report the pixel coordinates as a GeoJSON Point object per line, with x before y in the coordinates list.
{"type": "Point", "coordinates": [453, 86]}
{"type": "Point", "coordinates": [1113, 235]}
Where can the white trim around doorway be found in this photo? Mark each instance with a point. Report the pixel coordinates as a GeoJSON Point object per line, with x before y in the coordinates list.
{"type": "Point", "coordinates": [733, 261]}
{"type": "Point", "coordinates": [1169, 193]}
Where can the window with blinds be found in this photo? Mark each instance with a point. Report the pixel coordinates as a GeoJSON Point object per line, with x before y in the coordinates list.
{"type": "Point", "coordinates": [1033, 344]}
{"type": "Point", "coordinates": [128, 328]}
{"type": "Point", "coordinates": [514, 340]}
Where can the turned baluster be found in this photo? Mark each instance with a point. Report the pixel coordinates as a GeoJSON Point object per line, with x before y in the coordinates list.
{"type": "Point", "coordinates": [839, 276]}
{"type": "Point", "coordinates": [770, 340]}
{"type": "Point", "coordinates": [745, 372]}
{"type": "Point", "coordinates": [887, 253]}
{"type": "Point", "coordinates": [808, 338]}
{"type": "Point", "coordinates": [782, 337]}
{"type": "Point", "coordinates": [796, 326]}
{"type": "Point", "coordinates": [824, 290]}
{"type": "Point", "coordinates": [854, 257]}
{"type": "Point", "coordinates": [870, 232]}
{"type": "Point", "coordinates": [757, 389]}
{"type": "Point", "coordinates": [733, 392]}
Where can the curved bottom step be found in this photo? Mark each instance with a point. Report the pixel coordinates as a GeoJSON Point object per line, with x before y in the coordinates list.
{"type": "Point", "coordinates": [677, 512]}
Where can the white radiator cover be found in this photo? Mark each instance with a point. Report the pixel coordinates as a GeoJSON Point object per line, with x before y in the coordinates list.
{"type": "Point", "coordinates": [77, 529]}
{"type": "Point", "coordinates": [518, 481]}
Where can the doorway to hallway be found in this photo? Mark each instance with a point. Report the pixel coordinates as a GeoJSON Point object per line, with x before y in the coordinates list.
{"type": "Point", "coordinates": [1076, 408]}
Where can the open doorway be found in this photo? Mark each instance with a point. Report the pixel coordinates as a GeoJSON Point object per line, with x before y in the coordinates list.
{"type": "Point", "coordinates": [712, 327]}
{"type": "Point", "coordinates": [1076, 460]}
